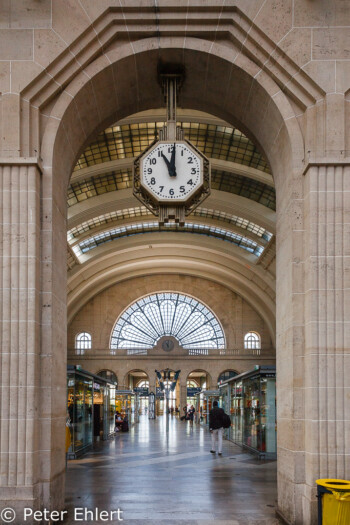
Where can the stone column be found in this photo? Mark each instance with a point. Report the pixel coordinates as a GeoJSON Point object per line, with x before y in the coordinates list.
{"type": "Point", "coordinates": [32, 402]}
{"type": "Point", "coordinates": [326, 389]}
{"type": "Point", "coordinates": [183, 395]}
{"type": "Point", "coordinates": [313, 360]}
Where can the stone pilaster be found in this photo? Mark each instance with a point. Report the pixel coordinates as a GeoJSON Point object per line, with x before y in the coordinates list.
{"type": "Point", "coordinates": [20, 334]}
{"type": "Point", "coordinates": [32, 424]}
{"type": "Point", "coordinates": [183, 394]}
{"type": "Point", "coordinates": [327, 321]}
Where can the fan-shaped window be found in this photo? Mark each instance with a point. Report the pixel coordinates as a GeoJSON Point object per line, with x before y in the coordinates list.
{"type": "Point", "coordinates": [82, 342]}
{"type": "Point", "coordinates": [109, 375]}
{"type": "Point", "coordinates": [252, 341]}
{"type": "Point", "coordinates": [174, 314]}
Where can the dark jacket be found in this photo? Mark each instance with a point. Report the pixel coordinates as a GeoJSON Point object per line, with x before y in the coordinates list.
{"type": "Point", "coordinates": [216, 416]}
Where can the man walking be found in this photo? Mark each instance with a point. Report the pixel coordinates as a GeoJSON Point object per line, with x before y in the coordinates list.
{"type": "Point", "coordinates": [216, 424]}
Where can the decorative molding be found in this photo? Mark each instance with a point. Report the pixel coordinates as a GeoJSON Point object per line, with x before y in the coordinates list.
{"type": "Point", "coordinates": [216, 24]}
{"type": "Point", "coordinates": [328, 163]}
{"type": "Point", "coordinates": [21, 161]}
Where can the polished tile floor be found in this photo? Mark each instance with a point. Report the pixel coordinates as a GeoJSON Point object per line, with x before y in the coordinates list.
{"type": "Point", "coordinates": [162, 472]}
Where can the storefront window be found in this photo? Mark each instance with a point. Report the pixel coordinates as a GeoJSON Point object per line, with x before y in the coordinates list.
{"type": "Point", "coordinates": [253, 409]}
{"type": "Point", "coordinates": [87, 405]}
{"type": "Point", "coordinates": [252, 413]}
{"type": "Point", "coordinates": [237, 419]}
{"type": "Point", "coordinates": [268, 415]}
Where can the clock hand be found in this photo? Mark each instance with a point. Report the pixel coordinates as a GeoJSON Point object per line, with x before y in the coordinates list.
{"type": "Point", "coordinates": [172, 162]}
{"type": "Point", "coordinates": [168, 164]}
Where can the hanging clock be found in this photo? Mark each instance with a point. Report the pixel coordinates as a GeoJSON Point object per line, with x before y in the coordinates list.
{"type": "Point", "coordinates": [171, 172]}
{"type": "Point", "coordinates": [171, 177]}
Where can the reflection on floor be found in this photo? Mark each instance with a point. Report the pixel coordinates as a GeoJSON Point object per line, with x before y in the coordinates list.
{"type": "Point", "coordinates": [163, 472]}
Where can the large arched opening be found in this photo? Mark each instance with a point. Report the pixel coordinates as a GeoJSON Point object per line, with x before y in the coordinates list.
{"type": "Point", "coordinates": [247, 96]}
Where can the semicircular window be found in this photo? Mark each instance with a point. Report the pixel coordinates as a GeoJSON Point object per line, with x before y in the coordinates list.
{"type": "Point", "coordinates": [171, 314]}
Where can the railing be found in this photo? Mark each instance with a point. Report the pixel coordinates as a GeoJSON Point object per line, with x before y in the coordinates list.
{"type": "Point", "coordinates": [191, 352]}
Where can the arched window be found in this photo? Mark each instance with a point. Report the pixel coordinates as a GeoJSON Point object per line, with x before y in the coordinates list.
{"type": "Point", "coordinates": [82, 342]}
{"type": "Point", "coordinates": [144, 383]}
{"type": "Point", "coordinates": [226, 375]}
{"type": "Point", "coordinates": [109, 375]}
{"type": "Point", "coordinates": [169, 313]}
{"type": "Point", "coordinates": [252, 341]}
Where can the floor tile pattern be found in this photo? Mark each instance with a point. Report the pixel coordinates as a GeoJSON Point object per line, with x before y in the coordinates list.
{"type": "Point", "coordinates": [162, 472]}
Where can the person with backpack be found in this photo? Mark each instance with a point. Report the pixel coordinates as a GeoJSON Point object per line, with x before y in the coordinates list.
{"type": "Point", "coordinates": [217, 422]}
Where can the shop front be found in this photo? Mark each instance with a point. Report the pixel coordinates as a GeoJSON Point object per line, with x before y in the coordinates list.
{"type": "Point", "coordinates": [90, 409]}
{"type": "Point", "coordinates": [250, 399]}
{"type": "Point", "coordinates": [204, 403]}
{"type": "Point", "coordinates": [126, 403]}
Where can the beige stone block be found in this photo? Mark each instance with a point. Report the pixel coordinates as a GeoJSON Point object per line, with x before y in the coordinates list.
{"type": "Point", "coordinates": [331, 43]}
{"type": "Point", "coordinates": [69, 20]}
{"type": "Point", "coordinates": [16, 44]}
{"type": "Point", "coordinates": [323, 13]}
{"type": "Point", "coordinates": [95, 9]}
{"type": "Point", "coordinates": [4, 76]}
{"type": "Point", "coordinates": [22, 73]}
{"type": "Point", "coordinates": [323, 73]}
{"type": "Point", "coordinates": [87, 111]}
{"type": "Point", "coordinates": [342, 68]}
{"type": "Point", "coordinates": [47, 46]}
{"type": "Point", "coordinates": [314, 468]}
{"type": "Point", "coordinates": [297, 45]}
{"type": "Point", "coordinates": [30, 14]}
{"type": "Point", "coordinates": [275, 19]}
{"type": "Point", "coordinates": [5, 10]}
{"type": "Point", "coordinates": [10, 124]}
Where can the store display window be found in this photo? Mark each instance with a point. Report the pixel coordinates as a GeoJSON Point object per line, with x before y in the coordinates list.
{"type": "Point", "coordinates": [252, 407]}
{"type": "Point", "coordinates": [90, 402]}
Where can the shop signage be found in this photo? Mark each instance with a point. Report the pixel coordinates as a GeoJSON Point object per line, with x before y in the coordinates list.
{"type": "Point", "coordinates": [192, 391]}
{"type": "Point", "coordinates": [212, 392]}
{"type": "Point", "coordinates": [97, 386]}
{"type": "Point", "coordinates": [159, 392]}
{"type": "Point", "coordinates": [141, 391]}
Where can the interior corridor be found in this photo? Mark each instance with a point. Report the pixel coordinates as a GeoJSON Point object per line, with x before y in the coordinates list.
{"type": "Point", "coordinates": [162, 472]}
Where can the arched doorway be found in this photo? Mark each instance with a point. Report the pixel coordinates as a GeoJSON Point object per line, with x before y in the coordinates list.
{"type": "Point", "coordinates": [263, 111]}
{"type": "Point", "coordinates": [259, 98]}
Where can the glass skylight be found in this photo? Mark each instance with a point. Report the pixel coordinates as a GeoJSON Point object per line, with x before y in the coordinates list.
{"type": "Point", "coordinates": [167, 314]}
{"type": "Point", "coordinates": [215, 141]}
{"type": "Point", "coordinates": [142, 211]}
{"type": "Point", "coordinates": [147, 227]}
{"type": "Point", "coordinates": [220, 180]}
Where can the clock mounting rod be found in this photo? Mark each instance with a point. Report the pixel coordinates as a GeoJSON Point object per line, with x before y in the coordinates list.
{"type": "Point", "coordinates": [171, 84]}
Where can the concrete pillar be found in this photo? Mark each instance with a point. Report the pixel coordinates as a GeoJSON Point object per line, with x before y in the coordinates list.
{"type": "Point", "coordinates": [33, 373]}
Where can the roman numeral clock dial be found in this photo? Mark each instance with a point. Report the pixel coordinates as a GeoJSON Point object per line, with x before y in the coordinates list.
{"type": "Point", "coordinates": [171, 171]}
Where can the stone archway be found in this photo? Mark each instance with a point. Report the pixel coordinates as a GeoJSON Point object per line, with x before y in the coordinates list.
{"type": "Point", "coordinates": [269, 117]}
{"type": "Point", "coordinates": [65, 106]}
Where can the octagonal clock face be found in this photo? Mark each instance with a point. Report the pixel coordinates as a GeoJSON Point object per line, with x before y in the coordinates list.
{"type": "Point", "coordinates": [171, 171]}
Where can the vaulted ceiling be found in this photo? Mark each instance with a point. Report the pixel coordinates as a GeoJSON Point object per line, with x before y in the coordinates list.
{"type": "Point", "coordinates": [106, 220]}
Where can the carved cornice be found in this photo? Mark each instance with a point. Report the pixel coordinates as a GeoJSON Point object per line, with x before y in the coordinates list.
{"type": "Point", "coordinates": [21, 161]}
{"type": "Point", "coordinates": [213, 23]}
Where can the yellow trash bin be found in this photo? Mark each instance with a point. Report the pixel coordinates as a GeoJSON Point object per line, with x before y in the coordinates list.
{"type": "Point", "coordinates": [334, 501]}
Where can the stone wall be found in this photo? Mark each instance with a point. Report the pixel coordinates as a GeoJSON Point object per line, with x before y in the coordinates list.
{"type": "Point", "coordinates": [236, 316]}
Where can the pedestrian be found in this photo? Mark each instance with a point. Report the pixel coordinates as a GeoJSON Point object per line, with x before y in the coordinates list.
{"type": "Point", "coordinates": [216, 424]}
{"type": "Point", "coordinates": [191, 414]}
